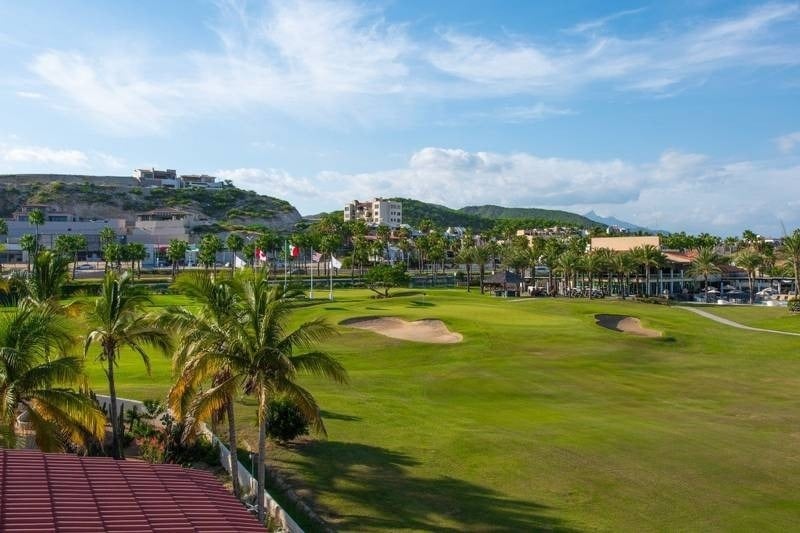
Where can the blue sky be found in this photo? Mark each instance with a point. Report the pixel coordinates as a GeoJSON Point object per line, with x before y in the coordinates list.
{"type": "Point", "coordinates": [675, 115]}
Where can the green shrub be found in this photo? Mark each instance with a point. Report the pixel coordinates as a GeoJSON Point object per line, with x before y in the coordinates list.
{"type": "Point", "coordinates": [285, 421]}
{"type": "Point", "coordinates": [794, 305]}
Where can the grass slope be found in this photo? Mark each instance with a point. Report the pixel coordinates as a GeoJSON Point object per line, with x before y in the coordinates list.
{"type": "Point", "coordinates": [542, 420]}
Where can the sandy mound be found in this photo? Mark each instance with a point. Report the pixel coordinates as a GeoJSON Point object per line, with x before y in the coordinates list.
{"type": "Point", "coordinates": [625, 324]}
{"type": "Point", "coordinates": [433, 331]}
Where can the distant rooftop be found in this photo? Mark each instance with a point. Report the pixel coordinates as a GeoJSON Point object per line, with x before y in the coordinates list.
{"type": "Point", "coordinates": [62, 492]}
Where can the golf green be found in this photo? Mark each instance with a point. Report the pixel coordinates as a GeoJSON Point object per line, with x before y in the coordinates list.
{"type": "Point", "coordinates": [541, 419]}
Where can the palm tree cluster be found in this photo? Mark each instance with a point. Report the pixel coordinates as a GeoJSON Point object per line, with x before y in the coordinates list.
{"type": "Point", "coordinates": [239, 342]}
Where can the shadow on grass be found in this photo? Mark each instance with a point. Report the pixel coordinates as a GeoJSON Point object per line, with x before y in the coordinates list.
{"type": "Point", "coordinates": [335, 308]}
{"type": "Point", "coordinates": [339, 416]}
{"type": "Point", "coordinates": [374, 308]}
{"type": "Point", "coordinates": [417, 303]}
{"type": "Point", "coordinates": [400, 294]}
{"type": "Point", "coordinates": [377, 480]}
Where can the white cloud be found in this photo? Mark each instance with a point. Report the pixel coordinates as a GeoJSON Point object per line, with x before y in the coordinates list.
{"type": "Point", "coordinates": [596, 24]}
{"type": "Point", "coordinates": [42, 155]}
{"type": "Point", "coordinates": [16, 157]}
{"type": "Point", "coordinates": [273, 182]}
{"type": "Point", "coordinates": [342, 63]}
{"type": "Point", "coordinates": [678, 191]}
{"type": "Point", "coordinates": [786, 143]}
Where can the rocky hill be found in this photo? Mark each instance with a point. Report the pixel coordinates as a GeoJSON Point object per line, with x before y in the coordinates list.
{"type": "Point", "coordinates": [226, 208]}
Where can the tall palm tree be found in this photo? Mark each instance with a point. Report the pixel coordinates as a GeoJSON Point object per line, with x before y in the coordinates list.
{"type": "Point", "coordinates": [622, 263]}
{"type": "Point", "coordinates": [791, 250]}
{"type": "Point", "coordinates": [36, 218]}
{"type": "Point", "coordinates": [591, 263]}
{"type": "Point", "coordinates": [33, 373]}
{"type": "Point", "coordinates": [467, 256]}
{"type": "Point", "coordinates": [234, 243]}
{"type": "Point", "coordinates": [568, 263]}
{"type": "Point", "coordinates": [117, 320]}
{"type": "Point", "coordinates": [750, 260]}
{"type": "Point", "coordinates": [204, 355]}
{"type": "Point", "coordinates": [648, 256]}
{"type": "Point", "coordinates": [107, 238]}
{"type": "Point", "coordinates": [705, 264]}
{"type": "Point", "coordinates": [264, 357]}
{"type": "Point", "coordinates": [482, 254]}
{"type": "Point", "coordinates": [28, 243]}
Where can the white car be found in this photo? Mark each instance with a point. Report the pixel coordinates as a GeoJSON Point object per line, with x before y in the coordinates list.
{"type": "Point", "coordinates": [84, 266]}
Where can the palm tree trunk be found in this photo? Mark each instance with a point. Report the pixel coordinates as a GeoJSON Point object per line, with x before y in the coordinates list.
{"type": "Point", "coordinates": [116, 441]}
{"type": "Point", "coordinates": [706, 281]}
{"type": "Point", "coordinates": [262, 449]}
{"type": "Point", "coordinates": [234, 457]}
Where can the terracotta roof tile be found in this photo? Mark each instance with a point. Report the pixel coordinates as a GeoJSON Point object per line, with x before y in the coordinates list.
{"type": "Point", "coordinates": [66, 493]}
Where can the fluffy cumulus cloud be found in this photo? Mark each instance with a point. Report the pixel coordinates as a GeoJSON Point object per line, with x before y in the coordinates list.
{"type": "Point", "coordinates": [677, 191]}
{"type": "Point", "coordinates": [17, 157]}
{"type": "Point", "coordinates": [342, 62]}
{"type": "Point", "coordinates": [42, 155]}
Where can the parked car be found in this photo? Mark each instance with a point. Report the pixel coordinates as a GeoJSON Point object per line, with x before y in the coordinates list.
{"type": "Point", "coordinates": [85, 266]}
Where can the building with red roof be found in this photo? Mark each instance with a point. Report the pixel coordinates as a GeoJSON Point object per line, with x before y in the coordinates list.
{"type": "Point", "coordinates": [66, 493]}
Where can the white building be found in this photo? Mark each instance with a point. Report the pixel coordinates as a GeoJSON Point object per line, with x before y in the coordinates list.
{"type": "Point", "coordinates": [376, 212]}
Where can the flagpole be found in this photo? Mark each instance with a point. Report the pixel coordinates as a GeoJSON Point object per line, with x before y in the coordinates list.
{"type": "Point", "coordinates": [311, 292]}
{"type": "Point", "coordinates": [330, 292]}
{"type": "Point", "coordinates": [285, 264]}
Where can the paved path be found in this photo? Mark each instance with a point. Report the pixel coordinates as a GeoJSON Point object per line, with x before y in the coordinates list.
{"type": "Point", "coordinates": [733, 324]}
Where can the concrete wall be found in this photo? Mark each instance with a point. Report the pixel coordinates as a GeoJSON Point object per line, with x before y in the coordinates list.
{"type": "Point", "coordinates": [20, 179]}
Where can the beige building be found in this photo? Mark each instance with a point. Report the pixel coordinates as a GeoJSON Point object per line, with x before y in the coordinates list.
{"type": "Point", "coordinates": [624, 244]}
{"type": "Point", "coordinates": [376, 212]}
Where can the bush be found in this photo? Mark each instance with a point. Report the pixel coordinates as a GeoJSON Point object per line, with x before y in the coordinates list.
{"type": "Point", "coordinates": [285, 421]}
{"type": "Point", "coordinates": [794, 305]}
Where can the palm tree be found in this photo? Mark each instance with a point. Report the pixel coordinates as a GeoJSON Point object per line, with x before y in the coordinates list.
{"type": "Point", "coordinates": [648, 256]}
{"type": "Point", "coordinates": [264, 357]}
{"type": "Point", "coordinates": [36, 218]}
{"type": "Point", "coordinates": [234, 243]}
{"type": "Point", "coordinates": [117, 319]}
{"type": "Point", "coordinates": [176, 252]}
{"type": "Point", "coordinates": [28, 243]}
{"type": "Point", "coordinates": [481, 255]}
{"type": "Point", "coordinates": [705, 263]}
{"type": "Point", "coordinates": [750, 260]}
{"type": "Point", "coordinates": [590, 263]}
{"type": "Point", "coordinates": [553, 248]}
{"type": "Point", "coordinates": [107, 237]}
{"type": "Point", "coordinates": [136, 254]}
{"type": "Point", "coordinates": [203, 355]}
{"type": "Point", "coordinates": [622, 263]}
{"type": "Point", "coordinates": [31, 381]}
{"type": "Point", "coordinates": [467, 256]}
{"type": "Point", "coordinates": [791, 250]}
{"type": "Point", "coordinates": [568, 264]}
{"type": "Point", "coordinates": [50, 272]}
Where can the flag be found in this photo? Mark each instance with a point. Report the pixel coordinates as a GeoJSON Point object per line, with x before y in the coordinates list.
{"type": "Point", "coordinates": [238, 262]}
{"type": "Point", "coordinates": [261, 256]}
{"type": "Point", "coordinates": [295, 251]}
{"type": "Point", "coordinates": [316, 256]}
{"type": "Point", "coordinates": [335, 263]}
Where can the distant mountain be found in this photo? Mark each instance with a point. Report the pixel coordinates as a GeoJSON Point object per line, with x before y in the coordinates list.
{"type": "Point", "coordinates": [611, 221]}
{"type": "Point", "coordinates": [414, 211]}
{"type": "Point", "coordinates": [480, 218]}
{"type": "Point", "coordinates": [547, 216]}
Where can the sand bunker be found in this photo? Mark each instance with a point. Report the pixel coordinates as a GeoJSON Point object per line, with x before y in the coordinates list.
{"type": "Point", "coordinates": [429, 330]}
{"type": "Point", "coordinates": [625, 324]}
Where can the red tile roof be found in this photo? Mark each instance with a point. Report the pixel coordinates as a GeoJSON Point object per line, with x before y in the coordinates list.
{"type": "Point", "coordinates": [67, 493]}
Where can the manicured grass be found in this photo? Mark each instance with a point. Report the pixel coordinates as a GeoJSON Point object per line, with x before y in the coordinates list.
{"type": "Point", "coordinates": [541, 419]}
{"type": "Point", "coordinates": [778, 318]}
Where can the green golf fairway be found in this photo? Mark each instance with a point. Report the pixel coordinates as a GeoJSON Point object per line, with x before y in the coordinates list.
{"type": "Point", "coordinates": [541, 419]}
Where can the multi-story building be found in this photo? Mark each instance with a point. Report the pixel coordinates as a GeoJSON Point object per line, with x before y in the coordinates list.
{"type": "Point", "coordinates": [150, 177]}
{"type": "Point", "coordinates": [202, 181]}
{"type": "Point", "coordinates": [57, 223]}
{"type": "Point", "coordinates": [376, 212]}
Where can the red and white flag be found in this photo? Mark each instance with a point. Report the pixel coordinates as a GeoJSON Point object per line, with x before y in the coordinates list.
{"type": "Point", "coordinates": [316, 257]}
{"type": "Point", "coordinates": [261, 256]}
{"type": "Point", "coordinates": [295, 251]}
